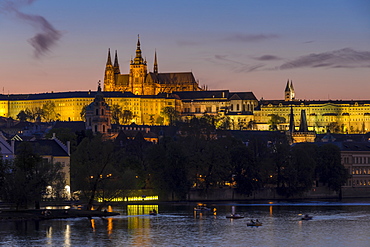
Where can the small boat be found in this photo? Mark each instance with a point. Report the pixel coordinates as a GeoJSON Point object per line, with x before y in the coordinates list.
{"type": "Point", "coordinates": [202, 207]}
{"type": "Point", "coordinates": [234, 216]}
{"type": "Point", "coordinates": [306, 217]}
{"type": "Point", "coordinates": [254, 224]}
{"type": "Point", "coordinates": [154, 212]}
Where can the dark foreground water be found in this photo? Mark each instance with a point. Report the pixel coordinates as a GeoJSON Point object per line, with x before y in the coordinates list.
{"type": "Point", "coordinates": [333, 224]}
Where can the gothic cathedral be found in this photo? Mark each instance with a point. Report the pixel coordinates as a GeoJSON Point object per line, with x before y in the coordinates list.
{"type": "Point", "coordinates": [141, 82]}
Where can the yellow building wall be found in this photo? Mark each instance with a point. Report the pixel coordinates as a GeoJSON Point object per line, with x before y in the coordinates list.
{"type": "Point", "coordinates": [145, 109]}
{"type": "Point", "coordinates": [354, 118]}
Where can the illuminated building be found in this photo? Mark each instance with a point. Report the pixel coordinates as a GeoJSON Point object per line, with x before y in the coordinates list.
{"type": "Point", "coordinates": [339, 116]}
{"type": "Point", "coordinates": [141, 82]}
{"type": "Point", "coordinates": [98, 114]}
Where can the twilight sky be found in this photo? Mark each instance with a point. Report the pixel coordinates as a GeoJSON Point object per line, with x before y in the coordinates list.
{"type": "Point", "coordinates": [323, 46]}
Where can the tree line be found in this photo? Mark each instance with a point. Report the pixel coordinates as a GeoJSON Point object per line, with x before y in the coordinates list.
{"type": "Point", "coordinates": [196, 159]}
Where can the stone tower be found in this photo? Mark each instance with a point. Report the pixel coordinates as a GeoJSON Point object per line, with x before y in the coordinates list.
{"type": "Point", "coordinates": [138, 72]}
{"type": "Point", "coordinates": [289, 91]}
{"type": "Point", "coordinates": [109, 79]}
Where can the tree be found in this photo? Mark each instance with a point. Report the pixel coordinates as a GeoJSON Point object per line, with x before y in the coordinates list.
{"type": "Point", "coordinates": [168, 169]}
{"type": "Point", "coordinates": [299, 173]}
{"type": "Point", "coordinates": [25, 180]}
{"type": "Point", "coordinates": [116, 114]}
{"type": "Point", "coordinates": [83, 113]}
{"type": "Point", "coordinates": [275, 121]}
{"type": "Point", "coordinates": [94, 169]}
{"type": "Point", "coordinates": [49, 113]}
{"type": "Point", "coordinates": [127, 116]}
{"type": "Point", "coordinates": [170, 114]}
{"type": "Point", "coordinates": [330, 170]}
{"type": "Point", "coordinates": [245, 171]}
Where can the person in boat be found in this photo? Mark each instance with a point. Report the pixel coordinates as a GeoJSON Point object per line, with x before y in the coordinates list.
{"type": "Point", "coordinates": [257, 221]}
{"type": "Point", "coordinates": [252, 221]}
{"type": "Point", "coordinates": [154, 211]}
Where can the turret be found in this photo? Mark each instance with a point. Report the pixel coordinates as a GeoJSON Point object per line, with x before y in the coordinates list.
{"type": "Point", "coordinates": [289, 91]}
{"type": "Point", "coordinates": [109, 74]}
{"type": "Point", "coordinates": [116, 65]}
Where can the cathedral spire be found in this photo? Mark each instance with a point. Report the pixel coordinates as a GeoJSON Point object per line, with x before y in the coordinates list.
{"type": "Point", "coordinates": [138, 59]}
{"type": "Point", "coordinates": [155, 69]}
{"type": "Point", "coordinates": [109, 60]}
{"type": "Point", "coordinates": [116, 65]}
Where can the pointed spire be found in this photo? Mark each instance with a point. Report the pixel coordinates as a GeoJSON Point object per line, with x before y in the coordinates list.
{"type": "Point", "coordinates": [291, 86]}
{"type": "Point", "coordinates": [138, 59]}
{"type": "Point", "coordinates": [116, 65]}
{"type": "Point", "coordinates": [109, 60]}
{"type": "Point", "coordinates": [291, 122]}
{"type": "Point", "coordinates": [303, 125]}
{"type": "Point", "coordinates": [155, 69]}
{"type": "Point", "coordinates": [287, 86]}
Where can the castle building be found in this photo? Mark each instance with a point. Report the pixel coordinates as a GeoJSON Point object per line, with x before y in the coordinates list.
{"type": "Point", "coordinates": [140, 81]}
{"type": "Point", "coordinates": [338, 116]}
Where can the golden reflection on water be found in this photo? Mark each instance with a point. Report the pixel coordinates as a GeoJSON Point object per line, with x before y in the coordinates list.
{"type": "Point", "coordinates": [140, 226]}
{"type": "Point", "coordinates": [92, 221]}
{"type": "Point", "coordinates": [109, 225]}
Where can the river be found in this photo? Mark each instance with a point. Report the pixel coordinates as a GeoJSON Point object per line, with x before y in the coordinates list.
{"type": "Point", "coordinates": [333, 224]}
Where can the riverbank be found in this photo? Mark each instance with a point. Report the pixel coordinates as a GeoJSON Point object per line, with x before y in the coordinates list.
{"type": "Point", "coordinates": [47, 214]}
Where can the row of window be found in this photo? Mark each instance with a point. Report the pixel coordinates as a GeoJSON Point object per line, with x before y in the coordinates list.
{"type": "Point", "coordinates": [356, 160]}
{"type": "Point", "coordinates": [358, 182]}
{"type": "Point", "coordinates": [361, 170]}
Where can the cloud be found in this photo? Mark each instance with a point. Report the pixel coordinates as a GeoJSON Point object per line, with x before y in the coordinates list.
{"type": "Point", "coordinates": [250, 37]}
{"type": "Point", "coordinates": [234, 65]}
{"type": "Point", "coordinates": [47, 35]}
{"type": "Point", "coordinates": [343, 58]}
{"type": "Point", "coordinates": [267, 58]}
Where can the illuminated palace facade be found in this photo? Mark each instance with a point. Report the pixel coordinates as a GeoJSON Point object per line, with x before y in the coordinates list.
{"type": "Point", "coordinates": [241, 108]}
{"type": "Point", "coordinates": [339, 116]}
{"type": "Point", "coordinates": [146, 94]}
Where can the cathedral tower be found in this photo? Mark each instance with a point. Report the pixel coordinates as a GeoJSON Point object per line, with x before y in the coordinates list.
{"type": "Point", "coordinates": [138, 72]}
{"type": "Point", "coordinates": [109, 78]}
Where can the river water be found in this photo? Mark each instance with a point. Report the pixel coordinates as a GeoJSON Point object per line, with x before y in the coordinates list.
{"type": "Point", "coordinates": [333, 224]}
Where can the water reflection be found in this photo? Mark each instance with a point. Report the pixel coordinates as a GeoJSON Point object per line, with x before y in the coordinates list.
{"type": "Point", "coordinates": [179, 225]}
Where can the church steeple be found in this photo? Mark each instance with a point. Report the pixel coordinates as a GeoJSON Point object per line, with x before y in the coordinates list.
{"type": "Point", "coordinates": [116, 65]}
{"type": "Point", "coordinates": [138, 59]}
{"type": "Point", "coordinates": [109, 81]}
{"type": "Point", "coordinates": [289, 91]}
{"type": "Point", "coordinates": [155, 69]}
{"type": "Point", "coordinates": [109, 60]}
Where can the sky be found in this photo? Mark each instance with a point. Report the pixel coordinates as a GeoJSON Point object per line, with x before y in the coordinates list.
{"type": "Point", "coordinates": [240, 45]}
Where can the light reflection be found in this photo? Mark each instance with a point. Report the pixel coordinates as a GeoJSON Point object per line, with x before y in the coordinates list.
{"type": "Point", "coordinates": [109, 225]}
{"type": "Point", "coordinates": [141, 209]}
{"type": "Point", "coordinates": [67, 236]}
{"type": "Point", "coordinates": [92, 221]}
{"type": "Point", "coordinates": [49, 235]}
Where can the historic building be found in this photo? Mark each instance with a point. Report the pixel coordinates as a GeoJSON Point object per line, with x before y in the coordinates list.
{"type": "Point", "coordinates": [339, 116]}
{"type": "Point", "coordinates": [98, 114]}
{"type": "Point", "coordinates": [140, 81]}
